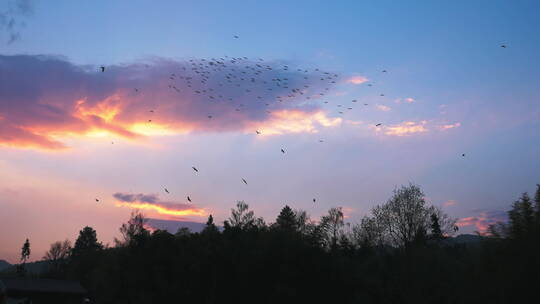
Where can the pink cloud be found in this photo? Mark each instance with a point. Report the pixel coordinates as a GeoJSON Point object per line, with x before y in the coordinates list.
{"type": "Point", "coordinates": [449, 203]}
{"type": "Point", "coordinates": [450, 126]}
{"type": "Point", "coordinates": [482, 221]}
{"type": "Point", "coordinates": [356, 80]}
{"type": "Point", "coordinates": [383, 108]}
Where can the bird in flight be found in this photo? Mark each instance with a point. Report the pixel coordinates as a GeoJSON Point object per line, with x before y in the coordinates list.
{"type": "Point", "coordinates": [384, 71]}
{"type": "Point", "coordinates": [503, 46]}
{"type": "Point", "coordinates": [209, 116]}
{"type": "Point", "coordinates": [282, 151]}
{"type": "Point", "coordinates": [166, 190]}
{"type": "Point", "coordinates": [463, 155]}
{"type": "Point", "coordinates": [189, 199]}
{"type": "Point", "coordinates": [102, 69]}
{"type": "Point", "coordinates": [236, 37]}
{"type": "Point", "coordinates": [245, 182]}
{"type": "Point", "coordinates": [97, 200]}
{"type": "Point", "coordinates": [379, 124]}
{"type": "Point", "coordinates": [258, 132]}
{"type": "Point", "coordinates": [195, 169]}
{"type": "Point", "coordinates": [314, 200]}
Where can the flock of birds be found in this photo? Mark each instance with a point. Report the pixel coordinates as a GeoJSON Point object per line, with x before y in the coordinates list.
{"type": "Point", "coordinates": [214, 78]}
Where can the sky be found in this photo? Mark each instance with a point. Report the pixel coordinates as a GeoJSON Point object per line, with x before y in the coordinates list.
{"type": "Point", "coordinates": [434, 74]}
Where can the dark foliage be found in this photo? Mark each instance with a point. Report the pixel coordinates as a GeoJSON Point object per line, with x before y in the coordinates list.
{"type": "Point", "coordinates": [295, 259]}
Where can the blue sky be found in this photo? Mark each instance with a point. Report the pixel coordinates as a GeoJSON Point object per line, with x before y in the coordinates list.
{"type": "Point", "coordinates": [445, 57]}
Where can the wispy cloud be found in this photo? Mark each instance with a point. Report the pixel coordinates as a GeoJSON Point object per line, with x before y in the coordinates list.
{"type": "Point", "coordinates": [406, 128]}
{"type": "Point", "coordinates": [405, 100]}
{"type": "Point", "coordinates": [45, 99]}
{"type": "Point", "coordinates": [450, 126]}
{"type": "Point", "coordinates": [449, 203]}
{"type": "Point", "coordinates": [356, 80]}
{"type": "Point", "coordinates": [152, 203]}
{"type": "Point", "coordinates": [383, 108]}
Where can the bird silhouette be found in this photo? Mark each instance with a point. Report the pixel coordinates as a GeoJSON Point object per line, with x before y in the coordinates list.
{"type": "Point", "coordinates": [314, 200]}
{"type": "Point", "coordinates": [166, 190]}
{"type": "Point", "coordinates": [236, 37]}
{"type": "Point", "coordinates": [195, 169]}
{"type": "Point", "coordinates": [245, 182]}
{"type": "Point", "coordinates": [102, 69]}
{"type": "Point", "coordinates": [282, 151]}
{"type": "Point", "coordinates": [258, 132]}
{"type": "Point", "coordinates": [463, 155]}
{"type": "Point", "coordinates": [379, 124]}
{"type": "Point", "coordinates": [189, 199]}
{"type": "Point", "coordinates": [97, 200]}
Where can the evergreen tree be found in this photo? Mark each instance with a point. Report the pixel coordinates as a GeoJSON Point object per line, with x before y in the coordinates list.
{"type": "Point", "coordinates": [25, 254]}
{"type": "Point", "coordinates": [86, 243]}
{"type": "Point", "coordinates": [210, 227]}
{"type": "Point", "coordinates": [25, 251]}
{"type": "Point", "coordinates": [436, 232]}
{"type": "Point", "coordinates": [286, 220]}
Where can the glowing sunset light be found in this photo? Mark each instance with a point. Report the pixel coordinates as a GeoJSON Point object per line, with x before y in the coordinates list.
{"type": "Point", "coordinates": [162, 209]}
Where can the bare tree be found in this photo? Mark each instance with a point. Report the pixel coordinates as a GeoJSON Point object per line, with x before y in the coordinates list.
{"type": "Point", "coordinates": [58, 254]}
{"type": "Point", "coordinates": [243, 218]}
{"type": "Point", "coordinates": [133, 230]}
{"type": "Point", "coordinates": [406, 217]}
{"type": "Point", "coordinates": [331, 226]}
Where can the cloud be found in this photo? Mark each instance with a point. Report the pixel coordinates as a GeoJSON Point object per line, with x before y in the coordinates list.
{"type": "Point", "coordinates": [151, 202]}
{"type": "Point", "coordinates": [46, 99]}
{"type": "Point", "coordinates": [407, 100]}
{"type": "Point", "coordinates": [483, 220]}
{"type": "Point", "coordinates": [294, 121]}
{"type": "Point", "coordinates": [450, 126]}
{"type": "Point", "coordinates": [449, 203]}
{"type": "Point", "coordinates": [356, 80]}
{"type": "Point", "coordinates": [406, 128]}
{"type": "Point", "coordinates": [11, 13]}
{"type": "Point", "coordinates": [383, 108]}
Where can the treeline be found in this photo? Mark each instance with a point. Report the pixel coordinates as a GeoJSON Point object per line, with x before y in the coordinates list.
{"type": "Point", "coordinates": [399, 254]}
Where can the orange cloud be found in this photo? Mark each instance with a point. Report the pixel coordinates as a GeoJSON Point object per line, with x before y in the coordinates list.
{"type": "Point", "coordinates": [406, 128]}
{"type": "Point", "coordinates": [356, 80]}
{"type": "Point", "coordinates": [151, 202]}
{"type": "Point", "coordinates": [39, 109]}
{"type": "Point", "coordinates": [293, 121]}
{"type": "Point", "coordinates": [162, 209]}
{"type": "Point", "coordinates": [450, 126]}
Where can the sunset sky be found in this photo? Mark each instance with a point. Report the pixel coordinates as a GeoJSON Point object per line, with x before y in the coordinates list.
{"type": "Point", "coordinates": [71, 134]}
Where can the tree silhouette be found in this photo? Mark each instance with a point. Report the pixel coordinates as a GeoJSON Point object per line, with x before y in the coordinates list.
{"type": "Point", "coordinates": [331, 226]}
{"type": "Point", "coordinates": [86, 243]}
{"type": "Point", "coordinates": [57, 255]}
{"type": "Point", "coordinates": [25, 255]}
{"type": "Point", "coordinates": [210, 227]}
{"type": "Point", "coordinates": [436, 232]}
{"type": "Point", "coordinates": [286, 220]}
{"type": "Point", "coordinates": [134, 231]}
{"type": "Point", "coordinates": [25, 251]}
